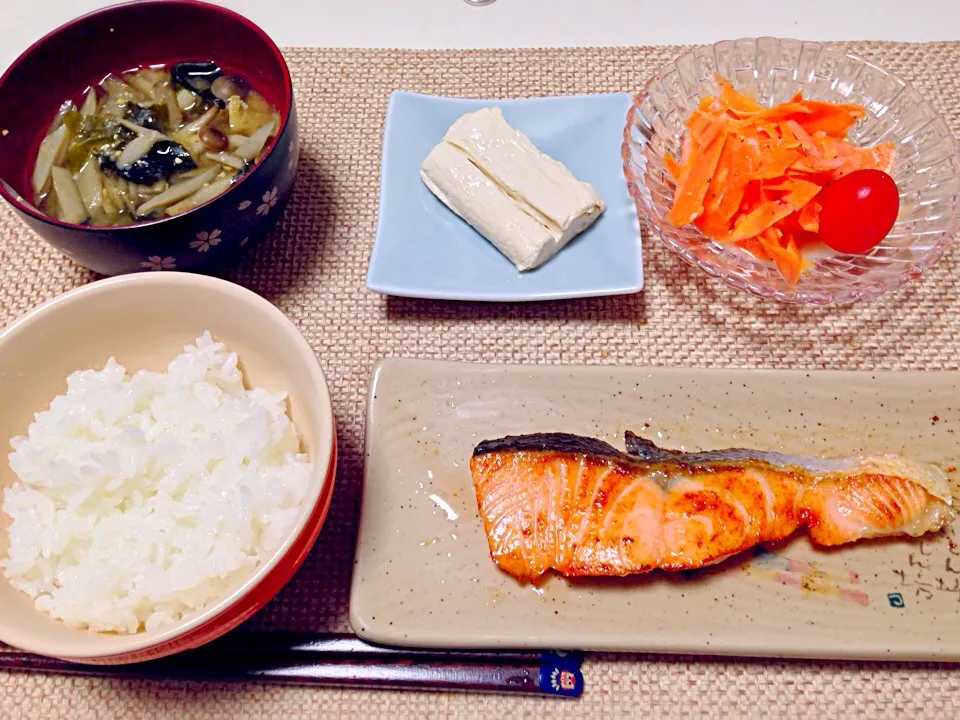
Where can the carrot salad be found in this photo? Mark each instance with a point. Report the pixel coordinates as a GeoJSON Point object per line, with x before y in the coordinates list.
{"type": "Point", "coordinates": [749, 175]}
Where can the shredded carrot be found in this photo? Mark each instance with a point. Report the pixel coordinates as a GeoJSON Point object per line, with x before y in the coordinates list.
{"type": "Point", "coordinates": [809, 217]}
{"type": "Point", "coordinates": [749, 175]}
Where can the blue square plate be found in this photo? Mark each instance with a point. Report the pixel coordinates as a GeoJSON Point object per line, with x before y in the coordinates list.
{"type": "Point", "coordinates": [424, 250]}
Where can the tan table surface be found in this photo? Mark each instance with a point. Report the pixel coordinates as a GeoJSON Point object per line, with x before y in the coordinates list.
{"type": "Point", "coordinates": [313, 267]}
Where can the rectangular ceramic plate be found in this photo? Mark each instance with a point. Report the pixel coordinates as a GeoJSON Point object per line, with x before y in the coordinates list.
{"type": "Point", "coordinates": [423, 576]}
{"type": "Point", "coordinates": [422, 249]}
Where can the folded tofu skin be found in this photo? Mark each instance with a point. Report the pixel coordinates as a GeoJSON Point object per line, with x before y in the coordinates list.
{"type": "Point", "coordinates": [524, 202]}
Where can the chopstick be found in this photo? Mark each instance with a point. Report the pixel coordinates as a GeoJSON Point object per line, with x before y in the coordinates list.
{"type": "Point", "coordinates": [340, 661]}
{"type": "Point", "coordinates": [346, 644]}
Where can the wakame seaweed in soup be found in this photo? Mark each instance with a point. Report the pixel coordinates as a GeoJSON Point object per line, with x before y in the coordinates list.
{"type": "Point", "coordinates": [150, 143]}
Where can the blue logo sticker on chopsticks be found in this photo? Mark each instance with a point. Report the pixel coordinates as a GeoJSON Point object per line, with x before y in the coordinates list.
{"type": "Point", "coordinates": [559, 680]}
{"type": "Point", "coordinates": [560, 673]}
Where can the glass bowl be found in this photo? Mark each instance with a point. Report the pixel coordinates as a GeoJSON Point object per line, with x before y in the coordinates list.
{"type": "Point", "coordinates": [926, 170]}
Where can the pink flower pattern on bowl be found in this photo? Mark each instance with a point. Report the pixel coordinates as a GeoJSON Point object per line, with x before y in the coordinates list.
{"type": "Point", "coordinates": [269, 200]}
{"type": "Point", "coordinates": [155, 262]}
{"type": "Point", "coordinates": [927, 166]}
{"type": "Point", "coordinates": [293, 155]}
{"type": "Point", "coordinates": [205, 240]}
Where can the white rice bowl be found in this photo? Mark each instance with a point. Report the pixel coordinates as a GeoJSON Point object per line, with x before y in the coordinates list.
{"type": "Point", "coordinates": [145, 499]}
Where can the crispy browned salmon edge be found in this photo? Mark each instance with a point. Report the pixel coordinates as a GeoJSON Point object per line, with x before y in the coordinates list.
{"type": "Point", "coordinates": [550, 442]}
{"type": "Point", "coordinates": [638, 450]}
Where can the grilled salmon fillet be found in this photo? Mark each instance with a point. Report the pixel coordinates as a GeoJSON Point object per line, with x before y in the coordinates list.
{"type": "Point", "coordinates": [581, 507]}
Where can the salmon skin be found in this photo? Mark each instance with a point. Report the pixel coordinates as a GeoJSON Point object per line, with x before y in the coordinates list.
{"type": "Point", "coordinates": [581, 507]}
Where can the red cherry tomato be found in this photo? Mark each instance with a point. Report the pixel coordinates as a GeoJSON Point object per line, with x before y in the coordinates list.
{"type": "Point", "coordinates": [858, 210]}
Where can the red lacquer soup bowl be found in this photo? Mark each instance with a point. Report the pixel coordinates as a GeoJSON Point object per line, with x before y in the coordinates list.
{"type": "Point", "coordinates": [119, 38]}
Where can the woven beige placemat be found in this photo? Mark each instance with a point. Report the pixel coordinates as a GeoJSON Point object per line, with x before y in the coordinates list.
{"type": "Point", "coordinates": [313, 267]}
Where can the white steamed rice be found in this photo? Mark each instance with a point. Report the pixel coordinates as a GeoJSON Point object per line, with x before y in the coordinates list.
{"type": "Point", "coordinates": [145, 499]}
